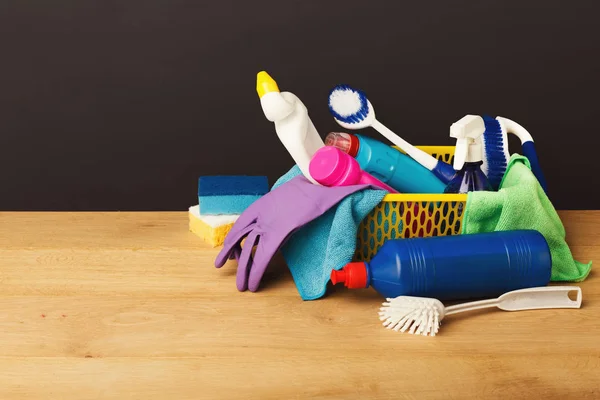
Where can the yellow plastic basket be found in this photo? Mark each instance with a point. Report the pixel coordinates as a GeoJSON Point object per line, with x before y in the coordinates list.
{"type": "Point", "coordinates": [412, 215]}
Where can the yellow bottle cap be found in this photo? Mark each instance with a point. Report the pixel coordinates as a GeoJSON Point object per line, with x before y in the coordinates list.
{"type": "Point", "coordinates": [265, 84]}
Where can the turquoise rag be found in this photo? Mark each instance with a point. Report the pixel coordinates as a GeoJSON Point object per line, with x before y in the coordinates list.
{"type": "Point", "coordinates": [520, 203]}
{"type": "Point", "coordinates": [327, 242]}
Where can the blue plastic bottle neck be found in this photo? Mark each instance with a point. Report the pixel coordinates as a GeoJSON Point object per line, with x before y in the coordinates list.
{"type": "Point", "coordinates": [470, 178]}
{"type": "Point", "coordinates": [365, 151]}
{"type": "Point", "coordinates": [472, 165]}
{"type": "Point", "coordinates": [368, 269]}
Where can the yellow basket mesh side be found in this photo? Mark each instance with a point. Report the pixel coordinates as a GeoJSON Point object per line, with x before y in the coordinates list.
{"type": "Point", "coordinates": [439, 215]}
{"type": "Point", "coordinates": [397, 219]}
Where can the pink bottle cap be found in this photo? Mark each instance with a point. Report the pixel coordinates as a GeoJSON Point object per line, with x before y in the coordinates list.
{"type": "Point", "coordinates": [332, 167]}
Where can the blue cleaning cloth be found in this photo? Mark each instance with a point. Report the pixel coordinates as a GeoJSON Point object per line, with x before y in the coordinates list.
{"type": "Point", "coordinates": [327, 242]}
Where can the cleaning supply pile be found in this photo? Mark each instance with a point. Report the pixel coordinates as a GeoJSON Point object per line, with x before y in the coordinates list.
{"type": "Point", "coordinates": [420, 225]}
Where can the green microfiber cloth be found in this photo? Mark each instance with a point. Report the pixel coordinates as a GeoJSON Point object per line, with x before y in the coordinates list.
{"type": "Point", "coordinates": [521, 203]}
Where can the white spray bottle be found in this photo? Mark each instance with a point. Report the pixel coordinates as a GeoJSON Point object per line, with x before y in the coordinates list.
{"type": "Point", "coordinates": [468, 156]}
{"type": "Point", "coordinates": [292, 123]}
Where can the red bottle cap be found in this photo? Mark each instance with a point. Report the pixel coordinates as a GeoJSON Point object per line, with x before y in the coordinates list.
{"type": "Point", "coordinates": [353, 275]}
{"type": "Point", "coordinates": [354, 144]}
{"type": "Point", "coordinates": [346, 142]}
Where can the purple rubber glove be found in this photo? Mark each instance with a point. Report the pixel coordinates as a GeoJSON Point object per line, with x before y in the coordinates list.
{"type": "Point", "coordinates": [271, 220]}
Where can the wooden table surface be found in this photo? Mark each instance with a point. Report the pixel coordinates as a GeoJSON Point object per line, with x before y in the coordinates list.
{"type": "Point", "coordinates": [130, 306]}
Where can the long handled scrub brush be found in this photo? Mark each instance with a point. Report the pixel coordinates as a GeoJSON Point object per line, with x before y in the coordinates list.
{"type": "Point", "coordinates": [351, 109]}
{"type": "Point", "coordinates": [496, 154]}
{"type": "Point", "coordinates": [422, 315]}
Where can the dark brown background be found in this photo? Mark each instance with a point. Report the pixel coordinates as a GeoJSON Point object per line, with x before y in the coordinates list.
{"type": "Point", "coordinates": [122, 105]}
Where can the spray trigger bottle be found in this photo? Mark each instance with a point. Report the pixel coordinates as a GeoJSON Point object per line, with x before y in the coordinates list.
{"type": "Point", "coordinates": [292, 123]}
{"type": "Point", "coordinates": [468, 156]}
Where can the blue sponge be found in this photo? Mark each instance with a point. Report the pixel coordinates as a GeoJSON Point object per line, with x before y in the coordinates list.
{"type": "Point", "coordinates": [223, 194]}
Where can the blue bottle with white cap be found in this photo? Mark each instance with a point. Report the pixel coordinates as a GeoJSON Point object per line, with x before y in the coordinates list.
{"type": "Point", "coordinates": [386, 163]}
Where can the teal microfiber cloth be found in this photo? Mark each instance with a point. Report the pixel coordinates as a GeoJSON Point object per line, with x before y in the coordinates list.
{"type": "Point", "coordinates": [520, 203]}
{"type": "Point", "coordinates": [229, 194]}
{"type": "Point", "coordinates": [327, 242]}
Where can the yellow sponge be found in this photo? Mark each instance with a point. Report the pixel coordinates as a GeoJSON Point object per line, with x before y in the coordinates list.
{"type": "Point", "coordinates": [211, 228]}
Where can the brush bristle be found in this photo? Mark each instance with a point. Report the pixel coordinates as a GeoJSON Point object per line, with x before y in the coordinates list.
{"type": "Point", "coordinates": [496, 155]}
{"type": "Point", "coordinates": [348, 105]}
{"type": "Point", "coordinates": [420, 316]}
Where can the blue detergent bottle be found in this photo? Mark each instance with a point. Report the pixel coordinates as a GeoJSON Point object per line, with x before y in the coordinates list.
{"type": "Point", "coordinates": [387, 164]}
{"type": "Point", "coordinates": [456, 267]}
{"type": "Point", "coordinates": [470, 178]}
{"type": "Point", "coordinates": [468, 156]}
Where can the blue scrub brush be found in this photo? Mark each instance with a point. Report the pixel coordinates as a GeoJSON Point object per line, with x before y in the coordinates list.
{"type": "Point", "coordinates": [352, 110]}
{"type": "Point", "coordinates": [495, 151]}
{"type": "Point", "coordinates": [496, 154]}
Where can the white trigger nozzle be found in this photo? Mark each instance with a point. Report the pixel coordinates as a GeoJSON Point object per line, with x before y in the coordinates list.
{"type": "Point", "coordinates": [467, 131]}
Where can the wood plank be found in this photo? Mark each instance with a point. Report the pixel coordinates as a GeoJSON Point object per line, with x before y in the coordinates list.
{"type": "Point", "coordinates": [582, 227]}
{"type": "Point", "coordinates": [159, 230]}
{"type": "Point", "coordinates": [213, 324]}
{"type": "Point", "coordinates": [343, 375]}
{"type": "Point", "coordinates": [97, 230]}
{"type": "Point", "coordinates": [144, 272]}
{"type": "Point", "coordinates": [132, 272]}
